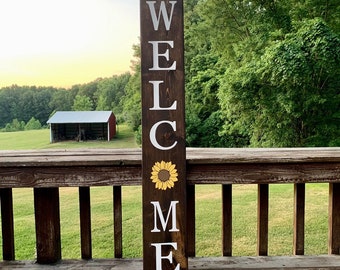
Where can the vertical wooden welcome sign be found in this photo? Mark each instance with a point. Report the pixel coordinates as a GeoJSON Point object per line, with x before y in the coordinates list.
{"type": "Point", "coordinates": [163, 143]}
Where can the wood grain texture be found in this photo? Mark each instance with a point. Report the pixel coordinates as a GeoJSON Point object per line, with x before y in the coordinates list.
{"type": "Point", "coordinates": [126, 157]}
{"type": "Point", "coordinates": [7, 224]}
{"type": "Point", "coordinates": [191, 221]}
{"type": "Point", "coordinates": [85, 223]}
{"type": "Point", "coordinates": [163, 129]}
{"type": "Point", "coordinates": [47, 170]}
{"type": "Point", "coordinates": [47, 225]}
{"type": "Point", "coordinates": [299, 219]}
{"type": "Point", "coordinates": [334, 219]}
{"type": "Point", "coordinates": [103, 167]}
{"type": "Point", "coordinates": [262, 219]}
{"type": "Point", "coordinates": [227, 212]}
{"type": "Point", "coordinates": [117, 222]}
{"type": "Point", "coordinates": [237, 263]}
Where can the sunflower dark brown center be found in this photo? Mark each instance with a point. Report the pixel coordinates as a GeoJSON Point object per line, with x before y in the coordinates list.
{"type": "Point", "coordinates": [164, 175]}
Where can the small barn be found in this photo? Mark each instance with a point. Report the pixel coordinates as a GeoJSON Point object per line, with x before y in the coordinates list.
{"type": "Point", "coordinates": [82, 125]}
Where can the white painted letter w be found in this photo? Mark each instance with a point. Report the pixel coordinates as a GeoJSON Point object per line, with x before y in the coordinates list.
{"type": "Point", "coordinates": [162, 12]}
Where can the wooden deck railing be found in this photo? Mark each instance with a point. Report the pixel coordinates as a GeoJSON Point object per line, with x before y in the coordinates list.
{"type": "Point", "coordinates": [47, 170]}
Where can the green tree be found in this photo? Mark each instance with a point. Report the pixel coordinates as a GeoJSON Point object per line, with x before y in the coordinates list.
{"type": "Point", "coordinates": [24, 102]}
{"type": "Point", "coordinates": [276, 72]}
{"type": "Point", "coordinates": [131, 101]}
{"type": "Point", "coordinates": [290, 97]}
{"type": "Point", "coordinates": [15, 125]}
{"type": "Point", "coordinates": [33, 124]}
{"type": "Point", "coordinates": [202, 81]}
{"type": "Point", "coordinates": [7, 104]}
{"type": "Point", "coordinates": [89, 90]}
{"type": "Point", "coordinates": [82, 103]}
{"type": "Point", "coordinates": [62, 100]}
{"type": "Point", "coordinates": [110, 92]}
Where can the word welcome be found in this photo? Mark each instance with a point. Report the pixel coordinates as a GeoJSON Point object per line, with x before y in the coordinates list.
{"type": "Point", "coordinates": [161, 14]}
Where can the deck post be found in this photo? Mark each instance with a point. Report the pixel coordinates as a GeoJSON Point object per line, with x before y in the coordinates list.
{"type": "Point", "coordinates": [163, 137]}
{"type": "Point", "coordinates": [6, 199]}
{"type": "Point", "coordinates": [47, 225]}
{"type": "Point", "coordinates": [117, 217]}
{"type": "Point", "coordinates": [227, 220]}
{"type": "Point", "coordinates": [334, 219]}
{"type": "Point", "coordinates": [85, 222]}
{"type": "Point", "coordinates": [299, 219]}
{"type": "Point", "coordinates": [262, 219]}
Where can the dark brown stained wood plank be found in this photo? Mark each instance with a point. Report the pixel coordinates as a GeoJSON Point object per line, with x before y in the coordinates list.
{"type": "Point", "coordinates": [6, 199]}
{"type": "Point", "coordinates": [166, 145]}
{"type": "Point", "coordinates": [85, 223]}
{"type": "Point", "coordinates": [227, 220]}
{"type": "Point", "coordinates": [262, 155]}
{"type": "Point", "coordinates": [73, 176]}
{"type": "Point", "coordinates": [214, 263]}
{"type": "Point", "coordinates": [299, 219]}
{"type": "Point", "coordinates": [47, 225]}
{"type": "Point", "coordinates": [69, 176]}
{"type": "Point", "coordinates": [77, 157]}
{"type": "Point", "coordinates": [334, 219]}
{"type": "Point", "coordinates": [55, 153]}
{"type": "Point", "coordinates": [262, 219]}
{"type": "Point", "coordinates": [191, 224]}
{"type": "Point", "coordinates": [117, 218]}
{"type": "Point", "coordinates": [128, 157]}
{"type": "Point", "coordinates": [263, 173]}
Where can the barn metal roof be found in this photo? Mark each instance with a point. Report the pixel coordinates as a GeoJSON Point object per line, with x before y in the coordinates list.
{"type": "Point", "coordinates": [68, 117]}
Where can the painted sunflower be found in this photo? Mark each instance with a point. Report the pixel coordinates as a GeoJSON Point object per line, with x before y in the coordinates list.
{"type": "Point", "coordinates": [164, 175]}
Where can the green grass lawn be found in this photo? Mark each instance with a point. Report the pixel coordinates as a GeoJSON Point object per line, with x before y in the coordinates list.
{"type": "Point", "coordinates": [40, 139]}
{"type": "Point", "coordinates": [208, 221]}
{"type": "Point", "coordinates": [208, 211]}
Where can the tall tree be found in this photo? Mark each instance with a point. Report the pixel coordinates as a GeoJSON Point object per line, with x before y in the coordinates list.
{"type": "Point", "coordinates": [82, 103]}
{"type": "Point", "coordinates": [276, 74]}
{"type": "Point", "coordinates": [131, 101]}
{"type": "Point", "coordinates": [110, 92]}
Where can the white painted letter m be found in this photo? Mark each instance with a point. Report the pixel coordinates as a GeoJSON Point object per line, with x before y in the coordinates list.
{"type": "Point", "coordinates": [158, 210]}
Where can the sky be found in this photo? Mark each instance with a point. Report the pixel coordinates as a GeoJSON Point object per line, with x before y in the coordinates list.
{"type": "Point", "coordinates": [61, 43]}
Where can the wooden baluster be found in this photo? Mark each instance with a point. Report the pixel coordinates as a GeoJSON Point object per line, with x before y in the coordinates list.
{"type": "Point", "coordinates": [299, 219]}
{"type": "Point", "coordinates": [334, 219]}
{"type": "Point", "coordinates": [262, 220]}
{"type": "Point", "coordinates": [227, 220]}
{"type": "Point", "coordinates": [47, 225]}
{"type": "Point", "coordinates": [85, 223]}
{"type": "Point", "coordinates": [117, 221]}
{"type": "Point", "coordinates": [191, 237]}
{"type": "Point", "coordinates": [6, 199]}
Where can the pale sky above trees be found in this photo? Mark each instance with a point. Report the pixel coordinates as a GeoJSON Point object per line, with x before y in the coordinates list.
{"type": "Point", "coordinates": [65, 42]}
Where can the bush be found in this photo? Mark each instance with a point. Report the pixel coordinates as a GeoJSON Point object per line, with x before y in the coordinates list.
{"type": "Point", "coordinates": [33, 124]}
{"type": "Point", "coordinates": [15, 125]}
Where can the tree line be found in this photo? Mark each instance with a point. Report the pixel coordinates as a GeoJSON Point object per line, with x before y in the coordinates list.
{"type": "Point", "coordinates": [259, 73]}
{"type": "Point", "coordinates": [20, 106]}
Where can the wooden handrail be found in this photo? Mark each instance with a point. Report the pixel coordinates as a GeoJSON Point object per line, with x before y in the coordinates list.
{"type": "Point", "coordinates": [122, 167]}
{"type": "Point", "coordinates": [47, 170]}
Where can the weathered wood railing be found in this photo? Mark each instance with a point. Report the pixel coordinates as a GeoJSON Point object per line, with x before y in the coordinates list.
{"type": "Point", "coordinates": [45, 171]}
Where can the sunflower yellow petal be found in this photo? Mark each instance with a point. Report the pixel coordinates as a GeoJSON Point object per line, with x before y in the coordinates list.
{"type": "Point", "coordinates": [172, 167]}
{"type": "Point", "coordinates": [168, 165]}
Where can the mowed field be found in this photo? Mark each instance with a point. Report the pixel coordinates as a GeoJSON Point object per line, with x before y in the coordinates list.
{"type": "Point", "coordinates": [40, 139]}
{"type": "Point", "coordinates": [208, 211]}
